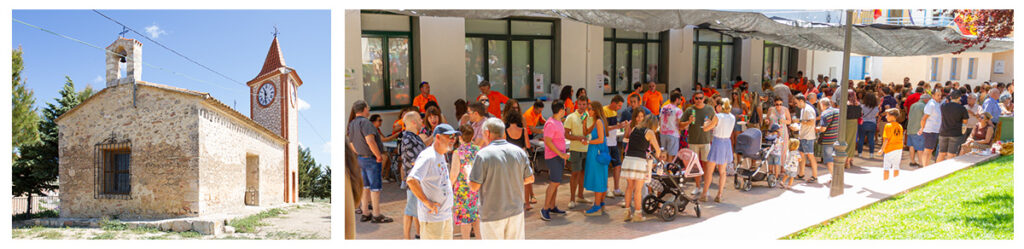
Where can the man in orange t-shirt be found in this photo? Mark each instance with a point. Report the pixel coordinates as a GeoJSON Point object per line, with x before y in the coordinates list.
{"type": "Point", "coordinates": [637, 90]}
{"type": "Point", "coordinates": [533, 120]}
{"type": "Point", "coordinates": [652, 98]}
{"type": "Point", "coordinates": [495, 99]}
{"type": "Point", "coordinates": [421, 100]}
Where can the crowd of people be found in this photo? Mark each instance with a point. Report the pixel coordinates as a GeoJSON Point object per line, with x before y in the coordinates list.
{"type": "Point", "coordinates": [474, 177]}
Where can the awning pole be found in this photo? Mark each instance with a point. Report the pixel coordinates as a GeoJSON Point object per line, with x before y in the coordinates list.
{"type": "Point", "coordinates": [837, 168]}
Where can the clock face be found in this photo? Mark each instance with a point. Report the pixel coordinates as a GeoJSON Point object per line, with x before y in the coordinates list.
{"type": "Point", "coordinates": [265, 95]}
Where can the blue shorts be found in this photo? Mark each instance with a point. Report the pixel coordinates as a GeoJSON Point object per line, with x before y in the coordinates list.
{"type": "Point", "coordinates": [556, 167]}
{"type": "Point", "coordinates": [616, 156]}
{"type": "Point", "coordinates": [671, 144]}
{"type": "Point", "coordinates": [371, 173]}
{"type": "Point", "coordinates": [827, 151]}
{"type": "Point", "coordinates": [915, 141]}
{"type": "Point", "coordinates": [411, 203]}
{"type": "Point", "coordinates": [931, 140]}
{"type": "Point", "coordinates": [807, 146]}
{"type": "Point", "coordinates": [774, 160]}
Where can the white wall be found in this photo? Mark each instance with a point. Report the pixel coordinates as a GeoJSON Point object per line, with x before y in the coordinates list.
{"type": "Point", "coordinates": [752, 63]}
{"type": "Point", "coordinates": [581, 51]}
{"type": "Point", "coordinates": [680, 60]}
{"type": "Point", "coordinates": [442, 60]}
{"type": "Point", "coordinates": [353, 56]}
{"type": "Point", "coordinates": [1007, 75]}
{"type": "Point", "coordinates": [919, 68]}
{"type": "Point", "coordinates": [823, 61]}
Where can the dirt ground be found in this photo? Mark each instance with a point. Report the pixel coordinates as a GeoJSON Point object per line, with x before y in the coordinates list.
{"type": "Point", "coordinates": [307, 221]}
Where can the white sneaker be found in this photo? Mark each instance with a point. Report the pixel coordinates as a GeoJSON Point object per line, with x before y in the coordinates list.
{"type": "Point", "coordinates": [572, 204]}
{"type": "Point", "coordinates": [696, 191]}
{"type": "Point", "coordinates": [583, 201]}
{"type": "Point", "coordinates": [619, 193]}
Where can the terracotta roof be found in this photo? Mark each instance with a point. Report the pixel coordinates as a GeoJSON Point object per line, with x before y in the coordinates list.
{"type": "Point", "coordinates": [274, 59]}
{"type": "Point", "coordinates": [205, 97]}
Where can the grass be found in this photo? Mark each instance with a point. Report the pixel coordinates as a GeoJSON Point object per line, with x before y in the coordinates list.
{"type": "Point", "coordinates": [248, 224]}
{"type": "Point", "coordinates": [317, 200]}
{"type": "Point", "coordinates": [975, 203]}
{"type": "Point", "coordinates": [105, 236]}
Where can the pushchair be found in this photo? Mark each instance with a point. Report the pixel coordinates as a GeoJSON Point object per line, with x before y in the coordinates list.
{"type": "Point", "coordinates": [753, 165]}
{"type": "Point", "coordinates": [668, 179]}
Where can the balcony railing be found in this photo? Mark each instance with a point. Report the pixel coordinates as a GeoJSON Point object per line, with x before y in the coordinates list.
{"type": "Point", "coordinates": [927, 21]}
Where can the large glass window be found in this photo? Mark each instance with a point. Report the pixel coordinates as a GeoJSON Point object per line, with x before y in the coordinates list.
{"type": "Point", "coordinates": [510, 54]}
{"type": "Point", "coordinates": [954, 66]}
{"type": "Point", "coordinates": [972, 68]}
{"type": "Point", "coordinates": [713, 59]}
{"type": "Point", "coordinates": [777, 61]}
{"type": "Point", "coordinates": [387, 60]}
{"type": "Point", "coordinates": [632, 57]}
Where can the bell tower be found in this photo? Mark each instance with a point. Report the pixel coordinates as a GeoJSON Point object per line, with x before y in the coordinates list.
{"type": "Point", "coordinates": [124, 62]}
{"type": "Point", "coordinates": [273, 105]}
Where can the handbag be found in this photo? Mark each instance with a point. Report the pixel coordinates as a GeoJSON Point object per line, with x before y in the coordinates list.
{"type": "Point", "coordinates": [604, 157]}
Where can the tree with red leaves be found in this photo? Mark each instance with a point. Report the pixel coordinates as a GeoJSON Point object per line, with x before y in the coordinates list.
{"type": "Point", "coordinates": [988, 23]}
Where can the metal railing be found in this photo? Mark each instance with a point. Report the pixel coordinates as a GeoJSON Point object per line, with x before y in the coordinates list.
{"type": "Point", "coordinates": [927, 21]}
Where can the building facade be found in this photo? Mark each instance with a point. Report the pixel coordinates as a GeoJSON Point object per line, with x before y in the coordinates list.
{"type": "Point", "coordinates": [141, 150]}
{"type": "Point", "coordinates": [388, 55]}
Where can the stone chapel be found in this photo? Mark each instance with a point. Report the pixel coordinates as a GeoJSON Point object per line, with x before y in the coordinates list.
{"type": "Point", "coordinates": [141, 150]}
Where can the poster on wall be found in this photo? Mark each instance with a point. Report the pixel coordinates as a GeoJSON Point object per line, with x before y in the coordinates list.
{"type": "Point", "coordinates": [538, 83]}
{"type": "Point", "coordinates": [998, 66]}
{"type": "Point", "coordinates": [636, 75]}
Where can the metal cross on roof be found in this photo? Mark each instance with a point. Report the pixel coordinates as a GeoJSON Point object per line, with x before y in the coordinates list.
{"type": "Point", "coordinates": [124, 30]}
{"type": "Point", "coordinates": [275, 31]}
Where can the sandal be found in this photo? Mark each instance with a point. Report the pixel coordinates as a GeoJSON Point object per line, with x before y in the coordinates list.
{"type": "Point", "coordinates": [718, 199]}
{"type": "Point", "coordinates": [533, 200]}
{"type": "Point", "coordinates": [382, 219]}
{"type": "Point", "coordinates": [813, 180]}
{"type": "Point", "coordinates": [365, 218]}
{"type": "Point", "coordinates": [359, 211]}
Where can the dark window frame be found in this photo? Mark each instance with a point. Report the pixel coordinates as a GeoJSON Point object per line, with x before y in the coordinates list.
{"type": "Point", "coordinates": [508, 37]}
{"type": "Point", "coordinates": [108, 172]}
{"type": "Point", "coordinates": [645, 41]}
{"type": "Point", "coordinates": [790, 67]}
{"type": "Point", "coordinates": [386, 78]}
{"type": "Point", "coordinates": [721, 58]}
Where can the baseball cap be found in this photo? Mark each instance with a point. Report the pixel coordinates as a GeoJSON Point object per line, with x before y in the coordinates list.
{"type": "Point", "coordinates": [445, 129]}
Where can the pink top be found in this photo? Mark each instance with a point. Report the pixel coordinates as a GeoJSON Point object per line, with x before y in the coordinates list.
{"type": "Point", "coordinates": [556, 131]}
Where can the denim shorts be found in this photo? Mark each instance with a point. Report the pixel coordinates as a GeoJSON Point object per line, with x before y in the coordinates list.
{"type": "Point", "coordinates": [827, 151]}
{"type": "Point", "coordinates": [915, 141]}
{"type": "Point", "coordinates": [671, 144]}
{"type": "Point", "coordinates": [411, 203]}
{"type": "Point", "coordinates": [371, 173]}
{"type": "Point", "coordinates": [807, 146]}
{"type": "Point", "coordinates": [774, 160]}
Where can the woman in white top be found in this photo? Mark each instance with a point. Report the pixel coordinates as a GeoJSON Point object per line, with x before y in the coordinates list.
{"type": "Point", "coordinates": [721, 147]}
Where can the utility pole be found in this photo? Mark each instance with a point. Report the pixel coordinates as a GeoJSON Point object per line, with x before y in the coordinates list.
{"type": "Point", "coordinates": [837, 168]}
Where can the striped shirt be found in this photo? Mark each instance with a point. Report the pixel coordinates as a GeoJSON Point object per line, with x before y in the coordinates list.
{"type": "Point", "coordinates": [830, 120]}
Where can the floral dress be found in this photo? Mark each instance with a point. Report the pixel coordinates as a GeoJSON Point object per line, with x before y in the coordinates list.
{"type": "Point", "coordinates": [465, 208]}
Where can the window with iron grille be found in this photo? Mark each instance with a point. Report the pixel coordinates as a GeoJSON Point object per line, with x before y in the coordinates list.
{"type": "Point", "coordinates": [113, 170]}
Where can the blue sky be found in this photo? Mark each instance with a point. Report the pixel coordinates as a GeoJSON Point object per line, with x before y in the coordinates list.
{"type": "Point", "coordinates": [232, 42]}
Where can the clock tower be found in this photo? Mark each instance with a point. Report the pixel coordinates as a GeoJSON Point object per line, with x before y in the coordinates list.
{"type": "Point", "coordinates": [273, 105]}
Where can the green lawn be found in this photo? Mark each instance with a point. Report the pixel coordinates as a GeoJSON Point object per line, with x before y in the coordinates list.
{"type": "Point", "coordinates": [975, 203]}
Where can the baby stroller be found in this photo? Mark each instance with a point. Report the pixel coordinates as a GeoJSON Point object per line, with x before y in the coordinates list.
{"type": "Point", "coordinates": [668, 179]}
{"type": "Point", "coordinates": [753, 165]}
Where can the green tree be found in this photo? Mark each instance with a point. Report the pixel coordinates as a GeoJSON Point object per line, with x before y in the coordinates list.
{"type": "Point", "coordinates": [35, 172]}
{"type": "Point", "coordinates": [24, 118]}
{"type": "Point", "coordinates": [309, 173]}
{"type": "Point", "coordinates": [323, 186]}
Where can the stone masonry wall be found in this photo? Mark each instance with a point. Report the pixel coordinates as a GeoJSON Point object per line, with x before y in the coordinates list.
{"type": "Point", "coordinates": [224, 143]}
{"type": "Point", "coordinates": [270, 116]}
{"type": "Point", "coordinates": [163, 129]}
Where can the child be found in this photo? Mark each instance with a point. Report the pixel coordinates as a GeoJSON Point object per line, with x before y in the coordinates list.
{"type": "Point", "coordinates": [775, 151]}
{"type": "Point", "coordinates": [792, 163]}
{"type": "Point", "coordinates": [892, 144]}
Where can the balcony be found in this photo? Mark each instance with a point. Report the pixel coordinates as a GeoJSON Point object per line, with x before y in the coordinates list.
{"type": "Point", "coordinates": [940, 21]}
